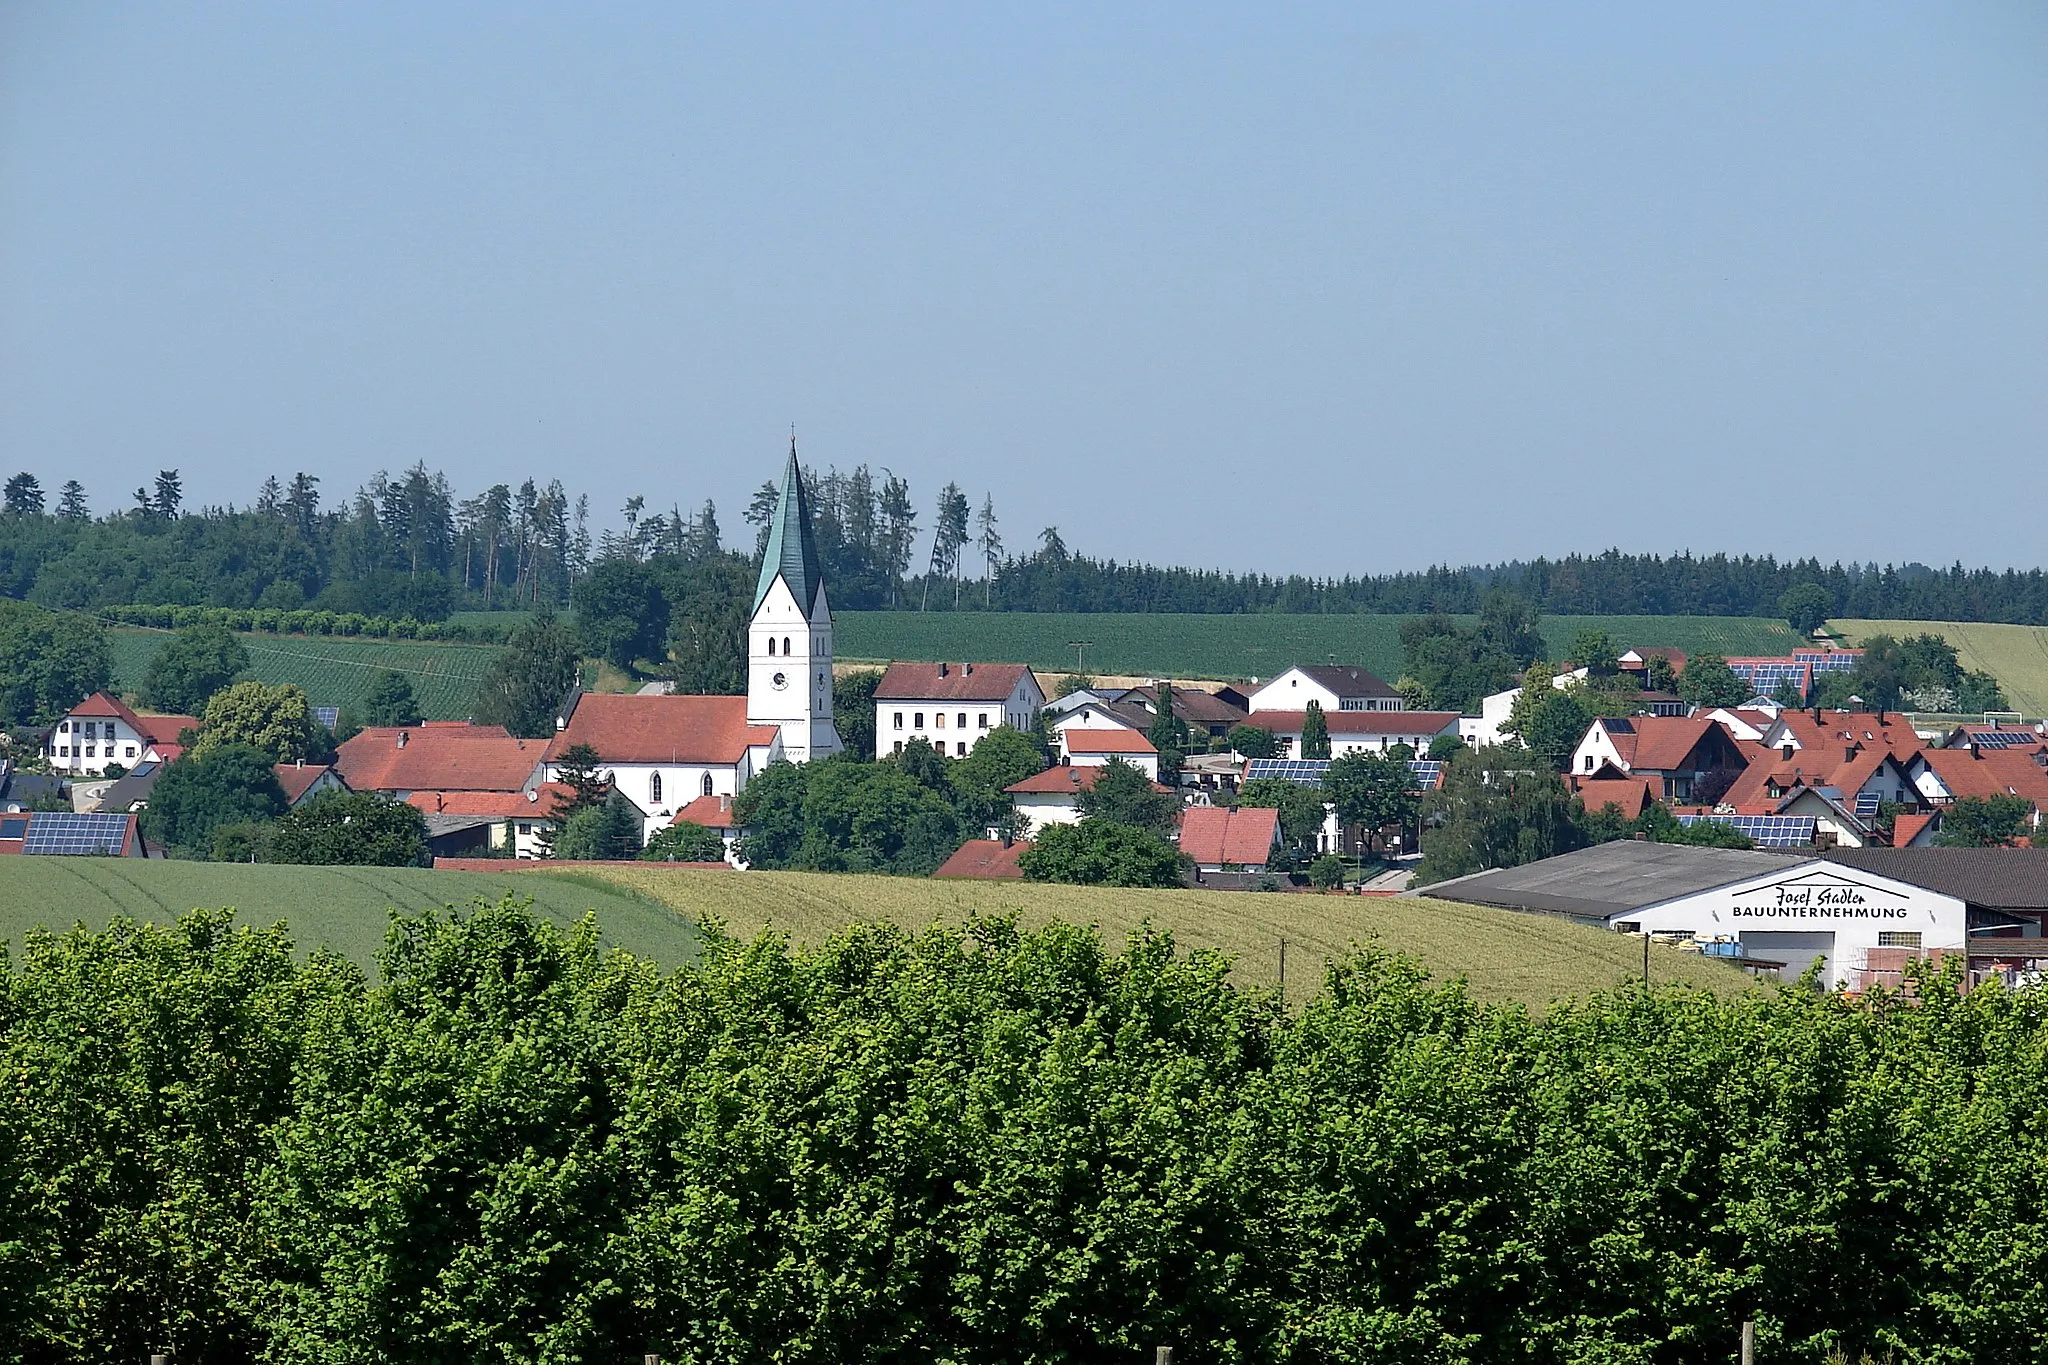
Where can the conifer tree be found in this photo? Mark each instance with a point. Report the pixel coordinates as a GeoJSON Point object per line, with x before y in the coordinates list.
{"type": "Point", "coordinates": [1315, 732]}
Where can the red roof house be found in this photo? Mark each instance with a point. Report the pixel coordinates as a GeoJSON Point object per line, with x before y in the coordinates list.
{"type": "Point", "coordinates": [993, 860]}
{"type": "Point", "coordinates": [1218, 839]}
{"type": "Point", "coordinates": [633, 729]}
{"type": "Point", "coordinates": [440, 756]}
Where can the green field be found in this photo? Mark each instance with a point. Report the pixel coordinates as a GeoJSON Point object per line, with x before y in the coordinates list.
{"type": "Point", "coordinates": [2015, 655]}
{"type": "Point", "coordinates": [1243, 646]}
{"type": "Point", "coordinates": [1502, 955]}
{"type": "Point", "coordinates": [342, 908]}
{"type": "Point", "coordinates": [335, 671]}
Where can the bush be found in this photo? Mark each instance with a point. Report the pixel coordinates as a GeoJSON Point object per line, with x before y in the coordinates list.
{"type": "Point", "coordinates": [685, 843]}
{"type": "Point", "coordinates": [1326, 873]}
{"type": "Point", "coordinates": [1101, 853]}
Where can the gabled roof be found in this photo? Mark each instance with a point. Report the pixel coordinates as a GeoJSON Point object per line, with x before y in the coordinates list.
{"type": "Point", "coordinates": [1359, 722]}
{"type": "Point", "coordinates": [1061, 778]}
{"type": "Point", "coordinates": [1995, 878]}
{"type": "Point", "coordinates": [635, 729]}
{"type": "Point", "coordinates": [792, 553]}
{"type": "Point", "coordinates": [1990, 772]}
{"type": "Point", "coordinates": [437, 757]}
{"type": "Point", "coordinates": [1215, 834]}
{"type": "Point", "coordinates": [1631, 794]}
{"type": "Point", "coordinates": [1128, 714]}
{"type": "Point", "coordinates": [1906, 828]}
{"type": "Point", "coordinates": [1083, 741]}
{"type": "Point", "coordinates": [985, 860]}
{"type": "Point", "coordinates": [156, 729]}
{"type": "Point", "coordinates": [949, 682]}
{"type": "Point", "coordinates": [1663, 743]}
{"type": "Point", "coordinates": [712, 812]}
{"type": "Point", "coordinates": [298, 778]}
{"type": "Point", "coordinates": [1347, 680]}
{"type": "Point", "coordinates": [1644, 653]}
{"type": "Point", "coordinates": [1190, 704]}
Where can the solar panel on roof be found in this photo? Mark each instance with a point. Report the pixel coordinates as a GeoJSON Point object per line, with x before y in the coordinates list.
{"type": "Point", "coordinates": [1308, 772]}
{"type": "Point", "coordinates": [1765, 831]}
{"type": "Point", "coordinates": [1866, 805]}
{"type": "Point", "coordinates": [13, 827]}
{"type": "Point", "coordinates": [67, 834]}
{"type": "Point", "coordinates": [327, 715]}
{"type": "Point", "coordinates": [1429, 772]}
{"type": "Point", "coordinates": [2006, 739]}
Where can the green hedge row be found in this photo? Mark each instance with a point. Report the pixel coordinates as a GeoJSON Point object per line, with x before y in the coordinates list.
{"type": "Point", "coordinates": [307, 623]}
{"type": "Point", "coordinates": [987, 1146]}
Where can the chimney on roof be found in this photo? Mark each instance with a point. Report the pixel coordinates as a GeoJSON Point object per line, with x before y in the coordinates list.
{"type": "Point", "coordinates": [942, 669]}
{"type": "Point", "coordinates": [1008, 839]}
{"type": "Point", "coordinates": [1973, 747]}
{"type": "Point", "coordinates": [401, 739]}
{"type": "Point", "coordinates": [966, 670]}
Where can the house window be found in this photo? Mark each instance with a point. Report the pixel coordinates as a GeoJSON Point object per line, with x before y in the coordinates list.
{"type": "Point", "coordinates": [917, 720]}
{"type": "Point", "coordinates": [92, 751]}
{"type": "Point", "coordinates": [962, 718]}
{"type": "Point", "coordinates": [938, 720]}
{"type": "Point", "coordinates": [984, 720]}
{"type": "Point", "coordinates": [1351, 704]}
{"type": "Point", "coordinates": [1898, 938]}
{"type": "Point", "coordinates": [1589, 763]}
{"type": "Point", "coordinates": [654, 788]}
{"type": "Point", "coordinates": [899, 720]}
{"type": "Point", "coordinates": [131, 751]}
{"type": "Point", "coordinates": [960, 749]}
{"type": "Point", "coordinates": [899, 746]}
{"type": "Point", "coordinates": [705, 785]}
{"type": "Point", "coordinates": [525, 827]}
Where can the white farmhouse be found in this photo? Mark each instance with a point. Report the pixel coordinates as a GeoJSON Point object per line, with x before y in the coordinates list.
{"type": "Point", "coordinates": [100, 730]}
{"type": "Point", "coordinates": [1334, 687]}
{"type": "Point", "coordinates": [1360, 732]}
{"type": "Point", "coordinates": [951, 706]}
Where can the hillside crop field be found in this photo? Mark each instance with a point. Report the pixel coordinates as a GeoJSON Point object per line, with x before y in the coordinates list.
{"type": "Point", "coordinates": [2015, 655]}
{"type": "Point", "coordinates": [335, 671]}
{"type": "Point", "coordinates": [1237, 646]}
{"type": "Point", "coordinates": [341, 908]}
{"type": "Point", "coordinates": [1502, 955]}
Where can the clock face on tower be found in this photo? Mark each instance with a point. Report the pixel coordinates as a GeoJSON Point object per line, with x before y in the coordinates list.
{"type": "Point", "coordinates": [779, 681]}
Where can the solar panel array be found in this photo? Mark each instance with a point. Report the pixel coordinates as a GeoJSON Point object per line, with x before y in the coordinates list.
{"type": "Point", "coordinates": [63, 833]}
{"type": "Point", "coordinates": [2006, 739]}
{"type": "Point", "coordinates": [327, 715]}
{"type": "Point", "coordinates": [1768, 674]}
{"type": "Point", "coordinates": [1429, 773]}
{"type": "Point", "coordinates": [1828, 660]}
{"type": "Point", "coordinates": [1765, 831]}
{"type": "Point", "coordinates": [1309, 772]}
{"type": "Point", "coordinates": [1867, 804]}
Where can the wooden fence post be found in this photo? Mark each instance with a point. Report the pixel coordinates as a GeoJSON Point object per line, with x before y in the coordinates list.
{"type": "Point", "coordinates": [1162, 1355]}
{"type": "Point", "coordinates": [1748, 1343]}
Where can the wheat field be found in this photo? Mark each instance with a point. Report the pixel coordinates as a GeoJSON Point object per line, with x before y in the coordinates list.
{"type": "Point", "coordinates": [2015, 655]}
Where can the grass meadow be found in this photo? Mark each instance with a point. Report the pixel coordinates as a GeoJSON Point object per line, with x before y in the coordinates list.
{"type": "Point", "coordinates": [344, 909]}
{"type": "Point", "coordinates": [2015, 655]}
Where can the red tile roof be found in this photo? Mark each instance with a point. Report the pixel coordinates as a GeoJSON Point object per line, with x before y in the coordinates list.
{"type": "Point", "coordinates": [1214, 835]}
{"type": "Point", "coordinates": [1062, 778]}
{"type": "Point", "coordinates": [1632, 794]}
{"type": "Point", "coordinates": [1663, 743]}
{"type": "Point", "coordinates": [985, 860]}
{"type": "Point", "coordinates": [637, 729]}
{"type": "Point", "coordinates": [158, 729]}
{"type": "Point", "coordinates": [1359, 722]}
{"type": "Point", "coordinates": [512, 805]}
{"type": "Point", "coordinates": [1907, 828]}
{"type": "Point", "coordinates": [1082, 741]}
{"type": "Point", "coordinates": [712, 812]}
{"type": "Point", "coordinates": [445, 758]}
{"type": "Point", "coordinates": [1990, 772]}
{"type": "Point", "coordinates": [298, 778]}
{"type": "Point", "coordinates": [949, 682]}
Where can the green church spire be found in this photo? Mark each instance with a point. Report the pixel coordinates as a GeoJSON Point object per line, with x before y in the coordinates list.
{"type": "Point", "coordinates": [792, 551]}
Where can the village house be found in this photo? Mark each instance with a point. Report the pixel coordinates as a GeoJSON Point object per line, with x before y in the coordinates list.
{"type": "Point", "coordinates": [1334, 687]}
{"type": "Point", "coordinates": [1211, 714]}
{"type": "Point", "coordinates": [101, 730]}
{"type": "Point", "coordinates": [987, 860]}
{"type": "Point", "coordinates": [524, 818]}
{"type": "Point", "coordinates": [1229, 839]}
{"type": "Point", "coordinates": [951, 706]}
{"type": "Point", "coordinates": [1691, 759]}
{"type": "Point", "coordinates": [715, 814]}
{"type": "Point", "coordinates": [439, 756]}
{"type": "Point", "coordinates": [1360, 732]}
{"type": "Point", "coordinates": [1083, 747]}
{"type": "Point", "coordinates": [1053, 797]}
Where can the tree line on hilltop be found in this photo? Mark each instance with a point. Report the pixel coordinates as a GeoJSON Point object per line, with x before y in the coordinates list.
{"type": "Point", "coordinates": [410, 547]}
{"type": "Point", "coordinates": [984, 1143]}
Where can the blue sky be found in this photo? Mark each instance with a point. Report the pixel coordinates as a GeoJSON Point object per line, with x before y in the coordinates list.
{"type": "Point", "coordinates": [1300, 288]}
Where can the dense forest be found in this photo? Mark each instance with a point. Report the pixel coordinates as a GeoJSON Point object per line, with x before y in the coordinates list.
{"type": "Point", "coordinates": [987, 1145]}
{"type": "Point", "coordinates": [413, 547]}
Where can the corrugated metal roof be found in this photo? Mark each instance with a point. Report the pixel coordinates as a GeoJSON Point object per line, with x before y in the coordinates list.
{"type": "Point", "coordinates": [1607, 879]}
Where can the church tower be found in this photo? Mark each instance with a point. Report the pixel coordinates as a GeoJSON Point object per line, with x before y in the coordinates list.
{"type": "Point", "coordinates": [789, 639]}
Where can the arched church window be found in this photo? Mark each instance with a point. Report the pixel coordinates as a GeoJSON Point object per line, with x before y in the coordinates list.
{"type": "Point", "coordinates": [771, 644]}
{"type": "Point", "coordinates": [785, 644]}
{"type": "Point", "coordinates": [654, 788]}
{"type": "Point", "coordinates": [707, 784]}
